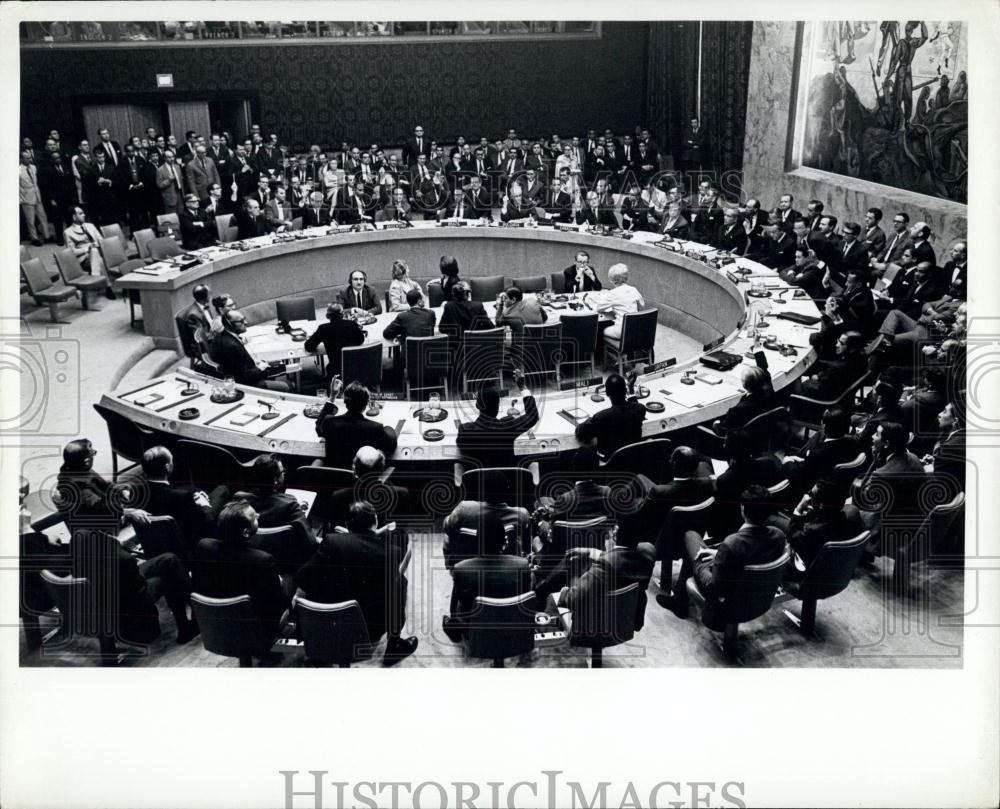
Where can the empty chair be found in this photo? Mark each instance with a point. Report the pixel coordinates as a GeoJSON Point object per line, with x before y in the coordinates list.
{"type": "Point", "coordinates": [428, 361]}
{"type": "Point", "coordinates": [41, 288]}
{"type": "Point", "coordinates": [231, 235]}
{"type": "Point", "coordinates": [650, 458]}
{"type": "Point", "coordinates": [606, 620]}
{"type": "Point", "coordinates": [128, 439]}
{"type": "Point", "coordinates": [435, 295]}
{"type": "Point", "coordinates": [482, 356]}
{"type": "Point", "coordinates": [205, 466]}
{"type": "Point", "coordinates": [922, 543]}
{"type": "Point", "coordinates": [828, 574]}
{"type": "Point", "coordinates": [167, 222]}
{"type": "Point", "coordinates": [579, 334]}
{"type": "Point", "coordinates": [333, 634]}
{"type": "Point", "coordinates": [557, 282]}
{"type": "Point", "coordinates": [160, 535]}
{"type": "Point", "coordinates": [142, 239]}
{"type": "Point", "coordinates": [113, 256]}
{"type": "Point", "coordinates": [749, 600]}
{"type": "Point", "coordinates": [485, 289]}
{"type": "Point", "coordinates": [222, 224]}
{"type": "Point", "coordinates": [501, 627]}
{"type": "Point", "coordinates": [132, 295]}
{"type": "Point", "coordinates": [163, 247]}
{"type": "Point", "coordinates": [297, 223]}
{"type": "Point", "coordinates": [73, 275]}
{"type": "Point", "coordinates": [192, 350]}
{"type": "Point", "coordinates": [533, 283]}
{"type": "Point", "coordinates": [115, 231]}
{"type": "Point", "coordinates": [290, 309]}
{"type": "Point", "coordinates": [637, 338]}
{"type": "Point", "coordinates": [541, 350]}
{"type": "Point", "coordinates": [362, 364]}
{"type": "Point", "coordinates": [77, 605]}
{"type": "Point", "coordinates": [593, 533]}
{"type": "Point", "coordinates": [230, 627]}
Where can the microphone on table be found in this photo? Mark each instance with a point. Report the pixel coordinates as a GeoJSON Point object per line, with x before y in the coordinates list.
{"type": "Point", "coordinates": [271, 413]}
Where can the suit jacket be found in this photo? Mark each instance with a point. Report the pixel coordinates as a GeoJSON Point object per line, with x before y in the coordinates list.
{"type": "Point", "coordinates": [459, 317]}
{"type": "Point", "coordinates": [347, 433]}
{"type": "Point", "coordinates": [726, 517]}
{"type": "Point", "coordinates": [734, 239]}
{"type": "Point", "coordinates": [650, 521]}
{"type": "Point", "coordinates": [820, 461]}
{"type": "Point", "coordinates": [560, 206]}
{"type": "Point", "coordinates": [490, 440]}
{"type": "Point", "coordinates": [195, 522]}
{"type": "Point", "coordinates": [346, 206]}
{"type": "Point", "coordinates": [493, 576]}
{"type": "Point", "coordinates": [856, 257]}
{"type": "Point", "coordinates": [916, 295]}
{"type": "Point", "coordinates": [785, 219]}
{"type": "Point", "coordinates": [482, 517]}
{"type": "Point", "coordinates": [311, 217]}
{"type": "Point", "coordinates": [922, 251]}
{"type": "Point", "coordinates": [194, 237]}
{"type": "Point", "coordinates": [234, 359]}
{"type": "Point", "coordinates": [249, 227]}
{"type": "Point", "coordinates": [225, 570]}
{"type": "Point", "coordinates": [614, 427]}
{"type": "Point", "coordinates": [517, 315]}
{"type": "Point", "coordinates": [200, 177]}
{"type": "Point", "coordinates": [750, 545]}
{"type": "Point", "coordinates": [362, 567]}
{"type": "Point", "coordinates": [411, 149]}
{"type": "Point", "coordinates": [949, 459]}
{"type": "Point", "coordinates": [615, 569]}
{"type": "Point", "coordinates": [268, 161]}
{"type": "Point", "coordinates": [246, 181]}
{"type": "Point", "coordinates": [369, 302]}
{"type": "Point", "coordinates": [600, 216]}
{"type": "Point", "coordinates": [808, 534]}
{"type": "Point", "coordinates": [335, 335]}
{"type": "Point", "coordinates": [392, 499]}
{"type": "Point", "coordinates": [678, 228]}
{"type": "Point", "coordinates": [102, 147]}
{"type": "Point", "coordinates": [704, 222]}
{"type": "Point", "coordinates": [808, 278]}
{"type": "Point", "coordinates": [56, 186]}
{"type": "Point", "coordinates": [413, 322]}
{"type": "Point", "coordinates": [903, 474]}
{"type": "Point", "coordinates": [271, 213]}
{"type": "Point", "coordinates": [833, 380]}
{"type": "Point", "coordinates": [896, 244]}
{"type": "Point", "coordinates": [779, 254]}
{"type": "Point", "coordinates": [635, 216]}
{"type": "Point", "coordinates": [590, 283]}
{"type": "Point", "coordinates": [196, 318]}
{"type": "Point", "coordinates": [166, 181]}
{"type": "Point", "coordinates": [874, 240]}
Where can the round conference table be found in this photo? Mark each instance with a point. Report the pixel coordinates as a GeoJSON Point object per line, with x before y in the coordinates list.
{"type": "Point", "coordinates": [703, 301]}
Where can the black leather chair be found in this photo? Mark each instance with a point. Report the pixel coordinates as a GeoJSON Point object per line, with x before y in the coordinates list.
{"type": "Point", "coordinates": [295, 309]}
{"type": "Point", "coordinates": [333, 634]}
{"type": "Point", "coordinates": [607, 620]}
{"type": "Point", "coordinates": [128, 439]}
{"type": "Point", "coordinates": [362, 364]}
{"type": "Point", "coordinates": [486, 288]}
{"type": "Point", "coordinates": [638, 336]}
{"type": "Point", "coordinates": [501, 627]}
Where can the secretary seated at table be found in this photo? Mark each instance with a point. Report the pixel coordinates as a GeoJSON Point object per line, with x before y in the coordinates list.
{"type": "Point", "coordinates": [400, 286]}
{"type": "Point", "coordinates": [335, 334]}
{"type": "Point", "coordinates": [621, 299]}
{"type": "Point", "coordinates": [229, 350]}
{"type": "Point", "coordinates": [358, 297]}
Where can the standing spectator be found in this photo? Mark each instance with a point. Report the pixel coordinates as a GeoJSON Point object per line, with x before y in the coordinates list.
{"type": "Point", "coordinates": [168, 180]}
{"type": "Point", "coordinates": [56, 185]}
{"type": "Point", "coordinates": [30, 199]}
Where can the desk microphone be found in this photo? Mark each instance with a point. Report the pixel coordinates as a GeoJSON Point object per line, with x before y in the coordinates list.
{"type": "Point", "coordinates": [271, 412]}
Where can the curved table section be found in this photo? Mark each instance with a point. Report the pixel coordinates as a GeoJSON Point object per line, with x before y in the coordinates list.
{"type": "Point", "coordinates": [691, 297]}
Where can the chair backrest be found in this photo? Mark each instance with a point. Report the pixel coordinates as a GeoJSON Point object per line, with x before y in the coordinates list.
{"type": "Point", "coordinates": [754, 594]}
{"type": "Point", "coordinates": [297, 223]}
{"type": "Point", "coordinates": [520, 480]}
{"type": "Point", "coordinates": [606, 619]}
{"type": "Point", "coordinates": [580, 333]}
{"type": "Point", "coordinates": [831, 571]}
{"type": "Point", "coordinates": [483, 352]}
{"type": "Point", "coordinates": [541, 348]}
{"type": "Point", "coordinates": [229, 626]}
{"type": "Point", "coordinates": [25, 254]}
{"type": "Point", "coordinates": [160, 535]}
{"type": "Point", "coordinates": [533, 283]}
{"type": "Point", "coordinates": [188, 341]}
{"type": "Point", "coordinates": [207, 465]}
{"type": "Point", "coordinates": [112, 252]}
{"type": "Point", "coordinates": [68, 265]}
{"type": "Point", "coordinates": [639, 330]}
{"type": "Point", "coordinates": [486, 288]}
{"type": "Point", "coordinates": [780, 493]}
{"type": "Point", "coordinates": [762, 428]}
{"type": "Point", "coordinates": [558, 282]}
{"type": "Point", "coordinates": [74, 600]}
{"type": "Point", "coordinates": [36, 276]}
{"type": "Point", "coordinates": [163, 247]}
{"type": "Point", "coordinates": [168, 218]}
{"type": "Point", "coordinates": [131, 264]}
{"type": "Point", "coordinates": [127, 438]}
{"type": "Point", "coordinates": [680, 519]}
{"type": "Point", "coordinates": [427, 360]}
{"type": "Point", "coordinates": [114, 232]}
{"type": "Point", "coordinates": [650, 458]}
{"type": "Point", "coordinates": [592, 533]}
{"type": "Point", "coordinates": [333, 633]}
{"type": "Point", "coordinates": [933, 531]}
{"type": "Point", "coordinates": [362, 364]}
{"type": "Point", "coordinates": [222, 224]}
{"type": "Point", "coordinates": [435, 295]}
{"type": "Point", "coordinates": [295, 309]}
{"type": "Point", "coordinates": [324, 480]}
{"type": "Point", "coordinates": [231, 234]}
{"type": "Point", "coordinates": [142, 239]}
{"type": "Point", "coordinates": [501, 627]}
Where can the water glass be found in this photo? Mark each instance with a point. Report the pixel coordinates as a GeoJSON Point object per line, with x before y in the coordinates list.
{"type": "Point", "coordinates": [229, 386]}
{"type": "Point", "coordinates": [434, 404]}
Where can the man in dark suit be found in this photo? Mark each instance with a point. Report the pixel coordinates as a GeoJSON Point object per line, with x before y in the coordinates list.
{"type": "Point", "coordinates": [948, 455]}
{"type": "Point", "coordinates": [432, 197]}
{"type": "Point", "coordinates": [350, 205]}
{"type": "Point", "coordinates": [826, 450]}
{"type": "Point", "coordinates": [635, 212]}
{"type": "Point", "coordinates": [318, 213]}
{"type": "Point", "coordinates": [688, 487]}
{"type": "Point", "coordinates": [228, 566]}
{"type": "Point", "coordinates": [705, 217]}
{"type": "Point", "coordinates": [470, 520]}
{"type": "Point", "coordinates": [416, 321]}
{"type": "Point", "coordinates": [199, 314]}
{"type": "Point", "coordinates": [852, 253]}
{"type": "Point", "coordinates": [244, 174]}
{"type": "Point", "coordinates": [785, 215]}
{"type": "Point", "coordinates": [223, 159]}
{"type": "Point", "coordinates": [368, 467]}
{"type": "Point", "coordinates": [779, 248]}
{"type": "Point", "coordinates": [490, 439]}
{"type": "Point", "coordinates": [858, 297]}
{"type": "Point", "coordinates": [873, 237]}
{"type": "Point", "coordinates": [718, 571]}
{"type": "Point", "coordinates": [58, 188]}
{"type": "Point", "coordinates": [269, 162]}
{"type": "Point", "coordinates": [920, 233]}
{"type": "Point", "coordinates": [832, 380]}
{"type": "Point", "coordinates": [197, 230]}
{"type": "Point", "coordinates": [337, 333]}
{"type": "Point", "coordinates": [560, 204]}
{"type": "Point", "coordinates": [111, 149]}
{"type": "Point", "coordinates": [914, 290]}
{"type": "Point", "coordinates": [365, 565]}
{"type": "Point", "coordinates": [250, 221]}
{"type": "Point", "coordinates": [581, 277]}
{"type": "Point", "coordinates": [617, 425]}
{"type": "Point", "coordinates": [731, 235]}
{"type": "Point", "coordinates": [804, 273]}
{"type": "Point", "coordinates": [419, 144]}
{"type": "Point", "coordinates": [102, 191]}
{"type": "Point", "coordinates": [347, 433]}
{"type": "Point", "coordinates": [593, 213]}
{"type": "Point", "coordinates": [186, 150]}
{"type": "Point", "coordinates": [230, 352]}
{"type": "Point", "coordinates": [954, 273]}
{"type": "Point", "coordinates": [201, 173]}
{"type": "Point", "coordinates": [896, 242]}
{"type": "Point", "coordinates": [358, 297]}
{"type": "Point", "coordinates": [825, 240]}
{"type": "Point", "coordinates": [754, 223]}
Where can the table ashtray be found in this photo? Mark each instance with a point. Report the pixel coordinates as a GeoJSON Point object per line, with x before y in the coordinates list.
{"type": "Point", "coordinates": [312, 411]}
{"type": "Point", "coordinates": [433, 434]}
{"type": "Point", "coordinates": [227, 398]}
{"type": "Point", "coordinates": [655, 407]}
{"type": "Point", "coordinates": [373, 411]}
{"type": "Point", "coordinates": [189, 413]}
{"type": "Point", "coordinates": [424, 415]}
{"type": "Point", "coordinates": [189, 391]}
{"type": "Point", "coordinates": [596, 397]}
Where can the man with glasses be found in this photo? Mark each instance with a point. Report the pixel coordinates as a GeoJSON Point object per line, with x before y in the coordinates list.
{"type": "Point", "coordinates": [419, 144]}
{"type": "Point", "coordinates": [898, 241]}
{"type": "Point", "coordinates": [229, 350]}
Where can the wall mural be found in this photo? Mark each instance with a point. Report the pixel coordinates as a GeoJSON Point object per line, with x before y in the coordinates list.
{"type": "Point", "coordinates": [888, 102]}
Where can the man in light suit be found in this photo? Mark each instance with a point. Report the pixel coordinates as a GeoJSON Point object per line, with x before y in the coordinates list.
{"type": "Point", "coordinates": [170, 183]}
{"type": "Point", "coordinates": [201, 173]}
{"type": "Point", "coordinates": [30, 199]}
{"type": "Point", "coordinates": [278, 212]}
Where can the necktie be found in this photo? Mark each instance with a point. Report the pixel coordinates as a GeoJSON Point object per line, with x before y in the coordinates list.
{"type": "Point", "coordinates": [846, 248]}
{"type": "Point", "coordinates": [892, 245]}
{"type": "Point", "coordinates": [87, 234]}
{"type": "Point", "coordinates": [420, 144]}
{"type": "Point", "coordinates": [114, 156]}
{"type": "Point", "coordinates": [202, 161]}
{"type": "Point", "coordinates": [177, 177]}
{"type": "Point", "coordinates": [357, 296]}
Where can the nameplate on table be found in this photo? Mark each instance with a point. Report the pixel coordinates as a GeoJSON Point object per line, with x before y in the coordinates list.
{"type": "Point", "coordinates": [577, 384]}
{"type": "Point", "coordinates": [468, 396]}
{"type": "Point", "coordinates": [713, 344]}
{"type": "Point", "coordinates": [155, 270]}
{"type": "Point", "coordinates": [388, 396]}
{"type": "Point", "coordinates": [566, 228]}
{"type": "Point", "coordinates": [659, 366]}
{"type": "Point", "coordinates": [392, 226]}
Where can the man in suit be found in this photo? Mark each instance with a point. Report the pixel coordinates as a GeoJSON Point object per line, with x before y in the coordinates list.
{"type": "Point", "coordinates": [268, 161]}
{"type": "Point", "coordinates": [416, 321]}
{"type": "Point", "coordinates": [250, 222]}
{"type": "Point", "coordinates": [318, 213]}
{"type": "Point", "coordinates": [461, 315]}
{"type": "Point", "coordinates": [719, 570]}
{"type": "Point", "coordinates": [896, 243]}
{"type": "Point", "coordinates": [193, 510]}
{"type": "Point", "coordinates": [199, 315]}
{"type": "Point", "coordinates": [419, 173]}
{"type": "Point", "coordinates": [31, 200]}
{"type": "Point", "coordinates": [55, 182]}
{"type": "Point", "coordinates": [490, 516]}
{"type": "Point", "coordinates": [398, 209]}
{"type": "Point", "coordinates": [229, 350]}
{"type": "Point", "coordinates": [82, 164]}
{"type": "Point", "coordinates": [244, 175]}
{"type": "Point", "coordinates": [197, 230]}
{"type": "Point", "coordinates": [229, 566]}
{"type": "Point", "coordinates": [432, 197]}
{"type": "Point", "coordinates": [581, 277]}
{"type": "Point", "coordinates": [948, 455]}
{"type": "Point", "coordinates": [731, 236]}
{"type": "Point", "coordinates": [635, 212]}
{"type": "Point", "coordinates": [920, 233]}
{"type": "Point", "coordinates": [366, 564]}
{"type": "Point", "coordinates": [534, 190]}
{"type": "Point", "coordinates": [418, 145]}
{"type": "Point", "coordinates": [804, 273]}
{"type": "Point", "coordinates": [915, 289]}
{"type": "Point", "coordinates": [103, 192]}
{"type": "Point", "coordinates": [490, 439]}
{"type": "Point", "coordinates": [358, 298]}
{"type": "Point", "coordinates": [954, 273]}
{"type": "Point", "coordinates": [825, 241]}
{"type": "Point", "coordinates": [516, 312]}
{"type": "Point", "coordinates": [785, 215]}
{"type": "Point", "coordinates": [594, 214]}
{"type": "Point", "coordinates": [347, 433]}
{"type": "Point", "coordinates": [858, 297]}
{"type": "Point", "coordinates": [278, 212]}
{"type": "Point", "coordinates": [873, 236]}
{"type": "Point", "coordinates": [221, 155]}
{"type": "Point", "coordinates": [560, 204]}
{"type": "Point", "coordinates": [674, 225]}
{"type": "Point", "coordinates": [350, 206]}
{"type": "Point", "coordinates": [826, 450]}
{"type": "Point", "coordinates": [617, 425]}
{"type": "Point", "coordinates": [168, 180]}
{"type": "Point", "coordinates": [706, 216]}
{"type": "Point", "coordinates": [186, 151]}
{"type": "Point", "coordinates": [754, 223]}
{"type": "Point", "coordinates": [832, 380]}
{"type": "Point", "coordinates": [689, 486]}
{"type": "Point", "coordinates": [262, 193]}
{"type": "Point", "coordinates": [646, 162]}
{"type": "Point", "coordinates": [337, 333]}
{"type": "Point", "coordinates": [781, 249]}
{"type": "Point", "coordinates": [112, 151]}
{"type": "Point", "coordinates": [201, 173]}
{"type": "Point", "coordinates": [852, 253]}
{"type": "Point", "coordinates": [368, 467]}
{"type": "Point", "coordinates": [132, 178]}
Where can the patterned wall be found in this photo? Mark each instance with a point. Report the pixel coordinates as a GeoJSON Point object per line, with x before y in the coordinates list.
{"type": "Point", "coordinates": [327, 93]}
